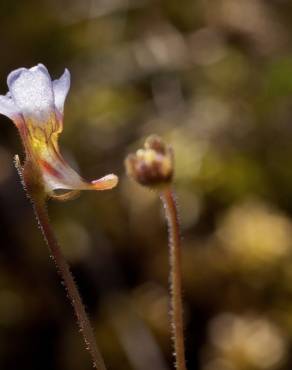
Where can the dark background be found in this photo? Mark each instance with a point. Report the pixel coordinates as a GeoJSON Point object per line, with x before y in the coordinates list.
{"type": "Point", "coordinates": [214, 79]}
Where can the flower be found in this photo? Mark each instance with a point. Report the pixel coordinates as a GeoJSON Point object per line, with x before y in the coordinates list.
{"type": "Point", "coordinates": [35, 104]}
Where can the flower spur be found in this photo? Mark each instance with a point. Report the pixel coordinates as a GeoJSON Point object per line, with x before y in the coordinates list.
{"type": "Point", "coordinates": [35, 104]}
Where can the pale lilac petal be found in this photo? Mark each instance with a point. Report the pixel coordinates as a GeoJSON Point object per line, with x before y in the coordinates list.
{"type": "Point", "coordinates": [14, 75]}
{"type": "Point", "coordinates": [61, 88]}
{"type": "Point", "coordinates": [8, 107]}
{"type": "Point", "coordinates": [32, 91]}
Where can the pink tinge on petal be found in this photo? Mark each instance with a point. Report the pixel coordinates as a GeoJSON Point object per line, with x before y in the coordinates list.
{"type": "Point", "coordinates": [105, 183]}
{"type": "Point", "coordinates": [50, 169]}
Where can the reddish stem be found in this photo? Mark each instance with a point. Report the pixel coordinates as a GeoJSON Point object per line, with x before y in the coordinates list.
{"type": "Point", "coordinates": [176, 314]}
{"type": "Point", "coordinates": [69, 283]}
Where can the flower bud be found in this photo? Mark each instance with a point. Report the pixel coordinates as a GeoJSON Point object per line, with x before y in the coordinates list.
{"type": "Point", "coordinates": [153, 165]}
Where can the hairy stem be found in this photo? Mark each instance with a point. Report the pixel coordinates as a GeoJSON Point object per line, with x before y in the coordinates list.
{"type": "Point", "coordinates": [168, 199]}
{"type": "Point", "coordinates": [69, 283]}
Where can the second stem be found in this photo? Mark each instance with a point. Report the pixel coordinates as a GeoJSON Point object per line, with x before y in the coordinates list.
{"type": "Point", "coordinates": [168, 199]}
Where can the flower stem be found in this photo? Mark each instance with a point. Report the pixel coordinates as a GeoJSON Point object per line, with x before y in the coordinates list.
{"type": "Point", "coordinates": [168, 199]}
{"type": "Point", "coordinates": [69, 283]}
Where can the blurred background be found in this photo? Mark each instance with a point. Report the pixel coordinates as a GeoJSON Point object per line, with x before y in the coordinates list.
{"type": "Point", "coordinates": [214, 79]}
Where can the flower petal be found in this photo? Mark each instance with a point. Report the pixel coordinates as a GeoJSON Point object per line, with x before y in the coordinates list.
{"type": "Point", "coordinates": [105, 183]}
{"type": "Point", "coordinates": [61, 88]}
{"type": "Point", "coordinates": [32, 91]}
{"type": "Point", "coordinates": [58, 175]}
{"type": "Point", "coordinates": [68, 179]}
{"type": "Point", "coordinates": [63, 177]}
{"type": "Point", "coordinates": [8, 107]}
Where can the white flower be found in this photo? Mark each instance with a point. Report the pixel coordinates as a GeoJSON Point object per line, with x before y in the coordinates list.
{"type": "Point", "coordinates": [35, 104]}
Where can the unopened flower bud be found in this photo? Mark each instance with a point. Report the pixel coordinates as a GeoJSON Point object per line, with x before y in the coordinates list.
{"type": "Point", "coordinates": [153, 165]}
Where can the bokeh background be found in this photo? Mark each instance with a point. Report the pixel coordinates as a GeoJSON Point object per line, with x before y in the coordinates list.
{"type": "Point", "coordinates": [214, 78]}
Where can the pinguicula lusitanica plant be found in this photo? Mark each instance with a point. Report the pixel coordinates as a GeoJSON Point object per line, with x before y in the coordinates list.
{"type": "Point", "coordinates": [153, 167]}
{"type": "Point", "coordinates": [35, 104]}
